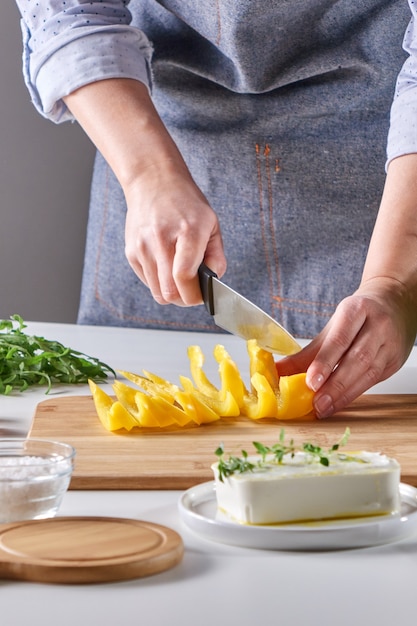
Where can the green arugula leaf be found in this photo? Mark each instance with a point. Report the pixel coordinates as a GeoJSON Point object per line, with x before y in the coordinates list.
{"type": "Point", "coordinates": [27, 360]}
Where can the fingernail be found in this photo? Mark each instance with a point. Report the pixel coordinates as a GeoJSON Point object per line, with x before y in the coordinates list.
{"type": "Point", "coordinates": [324, 406]}
{"type": "Point", "coordinates": [316, 382]}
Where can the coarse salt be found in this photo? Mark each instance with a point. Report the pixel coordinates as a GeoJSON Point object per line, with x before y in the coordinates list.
{"type": "Point", "coordinates": [32, 487]}
{"type": "Point", "coordinates": [23, 467]}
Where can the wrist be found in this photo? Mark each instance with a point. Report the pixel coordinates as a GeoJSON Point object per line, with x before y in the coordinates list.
{"type": "Point", "coordinates": [121, 120]}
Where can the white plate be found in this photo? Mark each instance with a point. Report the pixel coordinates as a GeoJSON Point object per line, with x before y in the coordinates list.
{"type": "Point", "coordinates": [198, 509]}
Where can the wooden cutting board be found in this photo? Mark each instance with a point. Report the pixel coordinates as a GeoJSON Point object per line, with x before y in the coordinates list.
{"type": "Point", "coordinates": [180, 458]}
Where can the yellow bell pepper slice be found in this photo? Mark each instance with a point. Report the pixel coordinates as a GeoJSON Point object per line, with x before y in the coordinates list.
{"type": "Point", "coordinates": [295, 398]}
{"type": "Point", "coordinates": [152, 384]}
{"type": "Point", "coordinates": [156, 412]}
{"type": "Point", "coordinates": [119, 414]}
{"type": "Point", "coordinates": [168, 413]}
{"type": "Point", "coordinates": [126, 396]}
{"type": "Point", "coordinates": [262, 361]}
{"type": "Point", "coordinates": [231, 380]}
{"type": "Point", "coordinates": [163, 399]}
{"type": "Point", "coordinates": [224, 407]}
{"type": "Point", "coordinates": [196, 408]}
{"type": "Point", "coordinates": [263, 402]}
{"type": "Point", "coordinates": [226, 401]}
{"type": "Point", "coordinates": [203, 384]}
{"type": "Point", "coordinates": [113, 415]}
{"type": "Point", "coordinates": [161, 382]}
{"type": "Point", "coordinates": [136, 402]}
{"type": "Point", "coordinates": [160, 389]}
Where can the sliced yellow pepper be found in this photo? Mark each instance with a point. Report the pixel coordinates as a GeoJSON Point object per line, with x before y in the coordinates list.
{"type": "Point", "coordinates": [159, 403]}
{"type": "Point", "coordinates": [154, 411]}
{"type": "Point", "coordinates": [127, 397]}
{"type": "Point", "coordinates": [196, 408]}
{"type": "Point", "coordinates": [224, 407]}
{"type": "Point", "coordinates": [262, 361]}
{"type": "Point", "coordinates": [263, 402]}
{"type": "Point", "coordinates": [161, 382]}
{"type": "Point", "coordinates": [162, 402]}
{"type": "Point", "coordinates": [292, 398]}
{"type": "Point", "coordinates": [119, 414]}
{"type": "Point", "coordinates": [231, 380]}
{"type": "Point", "coordinates": [231, 384]}
{"type": "Point", "coordinates": [226, 401]}
{"type": "Point", "coordinates": [168, 413]}
{"type": "Point", "coordinates": [138, 404]}
{"type": "Point", "coordinates": [113, 415]}
{"type": "Point", "coordinates": [295, 398]}
{"type": "Point", "coordinates": [201, 381]}
{"type": "Point", "coordinates": [154, 385]}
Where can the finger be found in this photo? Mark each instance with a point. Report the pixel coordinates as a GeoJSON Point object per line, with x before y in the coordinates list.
{"type": "Point", "coordinates": [214, 256]}
{"type": "Point", "coordinates": [133, 255]}
{"type": "Point", "coordinates": [158, 267]}
{"type": "Point", "coordinates": [152, 281]}
{"type": "Point", "coordinates": [136, 265]}
{"type": "Point", "coordinates": [187, 260]}
{"type": "Point", "coordinates": [362, 367]}
{"type": "Point", "coordinates": [337, 337]}
{"type": "Point", "coordinates": [145, 269]}
{"type": "Point", "coordinates": [298, 362]}
{"type": "Point", "coordinates": [157, 270]}
{"type": "Point", "coordinates": [137, 268]}
{"type": "Point", "coordinates": [185, 274]}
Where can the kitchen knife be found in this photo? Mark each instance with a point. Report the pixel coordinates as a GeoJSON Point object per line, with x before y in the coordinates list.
{"type": "Point", "coordinates": [239, 316]}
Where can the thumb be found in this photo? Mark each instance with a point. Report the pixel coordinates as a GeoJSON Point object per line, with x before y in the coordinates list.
{"type": "Point", "coordinates": [296, 363]}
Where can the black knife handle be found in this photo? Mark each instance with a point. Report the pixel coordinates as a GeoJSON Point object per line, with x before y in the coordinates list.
{"type": "Point", "coordinates": [205, 275]}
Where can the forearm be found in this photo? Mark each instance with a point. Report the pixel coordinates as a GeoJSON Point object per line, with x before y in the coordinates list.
{"type": "Point", "coordinates": [393, 249]}
{"type": "Point", "coordinates": [371, 333]}
{"type": "Point", "coordinates": [119, 117]}
{"type": "Point", "coordinates": [170, 226]}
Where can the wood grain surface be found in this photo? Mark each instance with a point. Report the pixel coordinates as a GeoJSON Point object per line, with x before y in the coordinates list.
{"type": "Point", "coordinates": [86, 549]}
{"type": "Point", "coordinates": [180, 458]}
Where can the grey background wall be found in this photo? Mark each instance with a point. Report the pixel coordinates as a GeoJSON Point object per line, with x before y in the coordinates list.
{"type": "Point", "coordinates": [45, 171]}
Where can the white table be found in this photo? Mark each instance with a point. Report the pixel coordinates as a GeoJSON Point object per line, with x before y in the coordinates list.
{"type": "Point", "coordinates": [215, 583]}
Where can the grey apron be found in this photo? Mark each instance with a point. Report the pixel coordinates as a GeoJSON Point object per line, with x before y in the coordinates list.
{"type": "Point", "coordinates": [281, 114]}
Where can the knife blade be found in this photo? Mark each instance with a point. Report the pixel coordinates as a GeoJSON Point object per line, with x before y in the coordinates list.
{"type": "Point", "coordinates": [239, 316]}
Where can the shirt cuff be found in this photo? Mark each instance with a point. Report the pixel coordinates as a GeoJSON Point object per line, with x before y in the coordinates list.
{"type": "Point", "coordinates": [402, 136]}
{"type": "Point", "coordinates": [121, 53]}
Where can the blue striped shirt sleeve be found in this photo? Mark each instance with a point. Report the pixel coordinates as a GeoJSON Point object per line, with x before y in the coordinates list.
{"type": "Point", "coordinates": [402, 137]}
{"type": "Point", "coordinates": [70, 43]}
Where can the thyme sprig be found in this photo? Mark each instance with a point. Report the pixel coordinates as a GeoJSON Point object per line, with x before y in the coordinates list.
{"type": "Point", "coordinates": [27, 360]}
{"type": "Point", "coordinates": [274, 454]}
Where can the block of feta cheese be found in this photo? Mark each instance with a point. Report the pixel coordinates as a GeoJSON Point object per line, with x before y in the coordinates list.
{"type": "Point", "coordinates": [300, 488]}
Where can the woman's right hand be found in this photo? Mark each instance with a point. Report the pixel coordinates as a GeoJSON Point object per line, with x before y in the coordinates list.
{"type": "Point", "coordinates": [170, 229]}
{"type": "Point", "coordinates": [170, 226]}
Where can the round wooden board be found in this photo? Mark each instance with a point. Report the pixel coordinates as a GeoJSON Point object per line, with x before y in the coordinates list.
{"type": "Point", "coordinates": [86, 549]}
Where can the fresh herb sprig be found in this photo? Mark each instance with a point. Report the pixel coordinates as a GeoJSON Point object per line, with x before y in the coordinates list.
{"type": "Point", "coordinates": [234, 464]}
{"type": "Point", "coordinates": [322, 455]}
{"type": "Point", "coordinates": [27, 360]}
{"type": "Point", "coordinates": [275, 454]}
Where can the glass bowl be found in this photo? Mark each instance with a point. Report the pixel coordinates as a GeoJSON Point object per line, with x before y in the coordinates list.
{"type": "Point", "coordinates": [34, 476]}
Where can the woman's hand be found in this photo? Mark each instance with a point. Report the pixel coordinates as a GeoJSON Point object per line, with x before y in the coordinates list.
{"type": "Point", "coordinates": [371, 332]}
{"type": "Point", "coordinates": [170, 229]}
{"type": "Point", "coordinates": [367, 340]}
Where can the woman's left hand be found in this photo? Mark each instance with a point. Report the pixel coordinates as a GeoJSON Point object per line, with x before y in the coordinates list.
{"type": "Point", "coordinates": [368, 339]}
